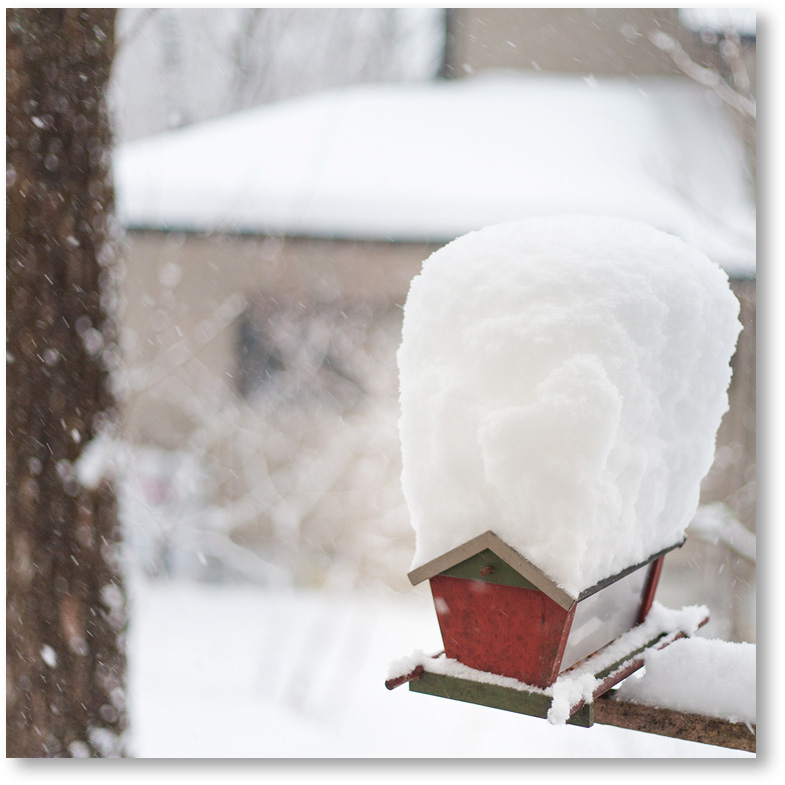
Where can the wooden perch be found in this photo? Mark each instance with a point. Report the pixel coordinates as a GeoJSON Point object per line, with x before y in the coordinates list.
{"type": "Point", "coordinates": [391, 684]}
{"type": "Point", "coordinates": [676, 724]}
{"type": "Point", "coordinates": [603, 709]}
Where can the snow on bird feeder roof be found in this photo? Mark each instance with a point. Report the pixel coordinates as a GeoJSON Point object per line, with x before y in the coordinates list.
{"type": "Point", "coordinates": [562, 380]}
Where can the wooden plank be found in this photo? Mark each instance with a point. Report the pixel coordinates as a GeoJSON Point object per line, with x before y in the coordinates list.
{"type": "Point", "coordinates": [565, 635]}
{"type": "Point", "coordinates": [651, 588]}
{"type": "Point", "coordinates": [674, 724]}
{"type": "Point", "coordinates": [447, 560]}
{"type": "Point", "coordinates": [534, 704]}
{"type": "Point", "coordinates": [396, 681]}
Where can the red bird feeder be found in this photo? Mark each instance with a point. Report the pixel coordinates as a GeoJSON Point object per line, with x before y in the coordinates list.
{"type": "Point", "coordinates": [499, 613]}
{"type": "Point", "coordinates": [501, 616]}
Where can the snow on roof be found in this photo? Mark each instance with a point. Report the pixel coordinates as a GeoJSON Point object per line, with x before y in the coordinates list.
{"type": "Point", "coordinates": [432, 161]}
{"type": "Point", "coordinates": [719, 20]}
{"type": "Point", "coordinates": [562, 379]}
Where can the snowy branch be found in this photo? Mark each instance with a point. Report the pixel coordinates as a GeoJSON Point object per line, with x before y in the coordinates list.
{"type": "Point", "coordinates": [738, 98]}
{"type": "Point", "coordinates": [716, 523]}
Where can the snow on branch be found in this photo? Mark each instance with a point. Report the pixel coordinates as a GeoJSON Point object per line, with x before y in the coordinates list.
{"type": "Point", "coordinates": [738, 97]}
{"type": "Point", "coordinates": [716, 523]}
{"type": "Point", "coordinates": [709, 677]}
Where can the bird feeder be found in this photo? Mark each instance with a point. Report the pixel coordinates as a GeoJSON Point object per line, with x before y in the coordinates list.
{"type": "Point", "coordinates": [499, 613]}
{"type": "Point", "coordinates": [501, 616]}
{"type": "Point", "coordinates": [562, 379]}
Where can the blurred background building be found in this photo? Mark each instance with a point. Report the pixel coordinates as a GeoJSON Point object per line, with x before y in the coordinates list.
{"type": "Point", "coordinates": [281, 174]}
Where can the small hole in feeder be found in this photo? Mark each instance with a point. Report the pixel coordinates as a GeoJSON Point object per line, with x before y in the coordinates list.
{"type": "Point", "coordinates": [487, 571]}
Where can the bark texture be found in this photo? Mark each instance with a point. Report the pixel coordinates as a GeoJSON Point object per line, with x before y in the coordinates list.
{"type": "Point", "coordinates": [65, 602]}
{"type": "Point", "coordinates": [676, 724]}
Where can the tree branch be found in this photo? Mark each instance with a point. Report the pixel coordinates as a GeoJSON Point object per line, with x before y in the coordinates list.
{"type": "Point", "coordinates": [708, 77]}
{"type": "Point", "coordinates": [675, 724]}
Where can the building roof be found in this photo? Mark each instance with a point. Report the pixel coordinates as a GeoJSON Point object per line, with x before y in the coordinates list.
{"type": "Point", "coordinates": [720, 20]}
{"type": "Point", "coordinates": [432, 161]}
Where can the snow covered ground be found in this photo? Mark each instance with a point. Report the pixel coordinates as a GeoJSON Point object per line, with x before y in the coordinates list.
{"type": "Point", "coordinates": [226, 671]}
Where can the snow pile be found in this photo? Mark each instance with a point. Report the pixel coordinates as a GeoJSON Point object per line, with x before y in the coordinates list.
{"type": "Point", "coordinates": [561, 382]}
{"type": "Point", "coordinates": [580, 682]}
{"type": "Point", "coordinates": [711, 677]}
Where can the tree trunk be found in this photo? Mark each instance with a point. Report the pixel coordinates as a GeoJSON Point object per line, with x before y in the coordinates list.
{"type": "Point", "coordinates": [65, 602]}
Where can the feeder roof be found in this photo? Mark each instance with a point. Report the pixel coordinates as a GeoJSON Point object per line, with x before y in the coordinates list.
{"type": "Point", "coordinates": [490, 541]}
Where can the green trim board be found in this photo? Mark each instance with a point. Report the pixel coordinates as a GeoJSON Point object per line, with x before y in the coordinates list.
{"type": "Point", "coordinates": [630, 656]}
{"type": "Point", "coordinates": [535, 704]}
{"type": "Point", "coordinates": [489, 567]}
